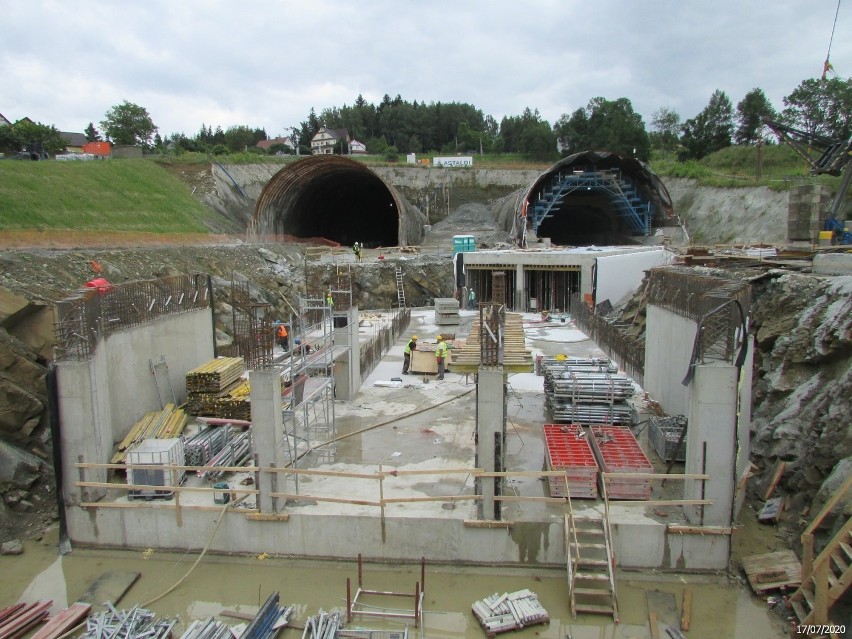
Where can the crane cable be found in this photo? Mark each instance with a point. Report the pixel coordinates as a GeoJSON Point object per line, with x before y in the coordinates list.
{"type": "Point", "coordinates": [826, 67]}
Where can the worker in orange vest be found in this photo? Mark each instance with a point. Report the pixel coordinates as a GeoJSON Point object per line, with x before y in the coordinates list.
{"type": "Point", "coordinates": [283, 338]}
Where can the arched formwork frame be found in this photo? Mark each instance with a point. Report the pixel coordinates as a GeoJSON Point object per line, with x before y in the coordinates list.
{"type": "Point", "coordinates": [637, 200]}
{"type": "Point", "coordinates": [337, 198]}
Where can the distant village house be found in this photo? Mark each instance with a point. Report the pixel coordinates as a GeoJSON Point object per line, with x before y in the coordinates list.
{"type": "Point", "coordinates": [325, 139]}
{"type": "Point", "coordinates": [266, 144]}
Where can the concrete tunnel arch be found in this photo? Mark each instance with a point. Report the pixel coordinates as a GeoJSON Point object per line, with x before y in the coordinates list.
{"type": "Point", "coordinates": [593, 197]}
{"type": "Point", "coordinates": [338, 199]}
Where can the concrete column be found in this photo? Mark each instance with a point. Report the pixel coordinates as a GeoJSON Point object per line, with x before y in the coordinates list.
{"type": "Point", "coordinates": [490, 434]}
{"type": "Point", "coordinates": [520, 293]}
{"type": "Point", "coordinates": [711, 443]}
{"type": "Point", "coordinates": [347, 366]}
{"type": "Point", "coordinates": [267, 431]}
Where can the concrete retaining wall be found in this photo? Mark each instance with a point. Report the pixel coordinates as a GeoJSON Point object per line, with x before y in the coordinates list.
{"type": "Point", "coordinates": [102, 398]}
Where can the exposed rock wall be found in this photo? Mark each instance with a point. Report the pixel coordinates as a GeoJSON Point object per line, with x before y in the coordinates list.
{"type": "Point", "coordinates": [803, 376]}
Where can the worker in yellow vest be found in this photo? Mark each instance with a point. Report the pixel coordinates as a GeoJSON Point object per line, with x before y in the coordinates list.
{"type": "Point", "coordinates": [406, 354]}
{"type": "Point", "coordinates": [441, 356]}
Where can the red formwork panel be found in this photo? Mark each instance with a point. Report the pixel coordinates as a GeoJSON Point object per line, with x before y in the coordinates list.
{"type": "Point", "coordinates": [568, 450]}
{"type": "Point", "coordinates": [618, 451]}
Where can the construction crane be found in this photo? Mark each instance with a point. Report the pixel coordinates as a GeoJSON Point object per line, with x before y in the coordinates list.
{"type": "Point", "coordinates": [824, 156]}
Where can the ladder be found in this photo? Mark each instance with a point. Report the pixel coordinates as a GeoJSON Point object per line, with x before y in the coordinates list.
{"type": "Point", "coordinates": [826, 578]}
{"type": "Point", "coordinates": [591, 564]}
{"type": "Point", "coordinates": [160, 371]}
{"type": "Point", "coordinates": [400, 289]}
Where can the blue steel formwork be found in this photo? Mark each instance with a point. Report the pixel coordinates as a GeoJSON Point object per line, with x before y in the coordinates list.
{"type": "Point", "coordinates": [635, 210]}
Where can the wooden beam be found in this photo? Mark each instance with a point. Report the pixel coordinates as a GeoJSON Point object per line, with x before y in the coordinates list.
{"type": "Point", "coordinates": [699, 530]}
{"type": "Point", "coordinates": [487, 523]}
{"type": "Point", "coordinates": [686, 609]}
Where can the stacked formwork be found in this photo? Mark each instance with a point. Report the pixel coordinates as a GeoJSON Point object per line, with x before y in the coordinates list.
{"type": "Point", "coordinates": [807, 210]}
{"type": "Point", "coordinates": [617, 451]}
{"type": "Point", "coordinates": [568, 450]}
{"type": "Point", "coordinates": [587, 392]}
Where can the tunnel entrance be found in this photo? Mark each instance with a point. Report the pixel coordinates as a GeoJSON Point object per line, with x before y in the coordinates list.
{"type": "Point", "coordinates": [333, 198]}
{"type": "Point", "coordinates": [594, 197]}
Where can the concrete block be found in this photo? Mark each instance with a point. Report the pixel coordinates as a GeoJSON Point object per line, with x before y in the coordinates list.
{"type": "Point", "coordinates": [833, 264]}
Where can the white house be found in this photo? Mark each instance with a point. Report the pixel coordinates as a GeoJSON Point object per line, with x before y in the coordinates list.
{"type": "Point", "coordinates": [325, 139]}
{"type": "Point", "coordinates": [357, 147]}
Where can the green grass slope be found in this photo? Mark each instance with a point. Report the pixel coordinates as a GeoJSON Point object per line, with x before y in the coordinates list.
{"type": "Point", "coordinates": [116, 195]}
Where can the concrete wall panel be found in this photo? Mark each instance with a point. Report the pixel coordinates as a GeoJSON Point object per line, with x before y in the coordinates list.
{"type": "Point", "coordinates": [669, 340]}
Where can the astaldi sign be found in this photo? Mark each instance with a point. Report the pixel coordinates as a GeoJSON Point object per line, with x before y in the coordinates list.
{"type": "Point", "coordinates": [453, 161]}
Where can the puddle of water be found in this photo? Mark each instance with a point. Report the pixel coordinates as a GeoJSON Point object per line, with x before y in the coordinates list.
{"type": "Point", "coordinates": [242, 584]}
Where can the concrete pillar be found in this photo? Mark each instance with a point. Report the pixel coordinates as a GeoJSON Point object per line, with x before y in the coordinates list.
{"type": "Point", "coordinates": [712, 443]}
{"type": "Point", "coordinates": [520, 293]}
{"type": "Point", "coordinates": [490, 435]}
{"type": "Point", "coordinates": [267, 431]}
{"type": "Point", "coordinates": [347, 366]}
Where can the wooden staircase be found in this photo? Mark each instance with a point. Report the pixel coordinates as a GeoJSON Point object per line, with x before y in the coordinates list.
{"type": "Point", "coordinates": [591, 564]}
{"type": "Point", "coordinates": [826, 578]}
{"type": "Point", "coordinates": [400, 289]}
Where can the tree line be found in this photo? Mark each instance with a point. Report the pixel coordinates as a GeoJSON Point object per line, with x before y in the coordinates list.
{"type": "Point", "coordinates": [818, 107]}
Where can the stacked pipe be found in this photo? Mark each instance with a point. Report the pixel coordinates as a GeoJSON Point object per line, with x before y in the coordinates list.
{"type": "Point", "coordinates": [587, 391]}
{"type": "Point", "coordinates": [202, 446]}
{"type": "Point", "coordinates": [236, 453]}
{"type": "Point", "coordinates": [207, 629]}
{"type": "Point", "coordinates": [136, 623]}
{"type": "Point", "coordinates": [269, 620]}
{"type": "Point", "coordinates": [322, 626]}
{"type": "Point", "coordinates": [509, 611]}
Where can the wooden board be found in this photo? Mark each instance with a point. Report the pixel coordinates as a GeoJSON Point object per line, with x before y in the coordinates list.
{"type": "Point", "coordinates": [110, 586]}
{"type": "Point", "coordinates": [773, 570]}
{"type": "Point", "coordinates": [771, 511]}
{"type": "Point", "coordinates": [662, 609]}
{"type": "Point", "coordinates": [63, 621]}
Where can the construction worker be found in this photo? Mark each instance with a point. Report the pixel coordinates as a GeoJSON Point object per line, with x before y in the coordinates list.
{"type": "Point", "coordinates": [329, 301]}
{"type": "Point", "coordinates": [441, 356]}
{"type": "Point", "coordinates": [356, 248]}
{"type": "Point", "coordinates": [471, 300]}
{"type": "Point", "coordinates": [282, 336]}
{"type": "Point", "coordinates": [406, 356]}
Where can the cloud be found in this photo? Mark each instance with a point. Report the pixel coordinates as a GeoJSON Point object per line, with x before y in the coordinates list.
{"type": "Point", "coordinates": [266, 64]}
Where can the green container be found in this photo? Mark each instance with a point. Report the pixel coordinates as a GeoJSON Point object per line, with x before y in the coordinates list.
{"type": "Point", "coordinates": [221, 494]}
{"type": "Point", "coordinates": [463, 243]}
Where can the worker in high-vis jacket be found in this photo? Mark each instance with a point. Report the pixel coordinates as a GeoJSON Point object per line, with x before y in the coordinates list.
{"type": "Point", "coordinates": [406, 354]}
{"type": "Point", "coordinates": [283, 337]}
{"type": "Point", "coordinates": [441, 356]}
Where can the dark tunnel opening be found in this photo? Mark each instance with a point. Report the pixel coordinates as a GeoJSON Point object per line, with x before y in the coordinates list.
{"type": "Point", "coordinates": [582, 219]}
{"type": "Point", "coordinates": [345, 207]}
{"type": "Point", "coordinates": [595, 197]}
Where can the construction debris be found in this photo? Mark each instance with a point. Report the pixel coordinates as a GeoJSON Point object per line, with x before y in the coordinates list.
{"type": "Point", "coordinates": [136, 623]}
{"type": "Point", "coordinates": [509, 611]}
{"type": "Point", "coordinates": [269, 620]}
{"type": "Point", "coordinates": [323, 625]}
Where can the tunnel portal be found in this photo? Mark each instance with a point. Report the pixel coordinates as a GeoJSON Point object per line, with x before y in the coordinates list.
{"type": "Point", "coordinates": [338, 199]}
{"type": "Point", "coordinates": [594, 197]}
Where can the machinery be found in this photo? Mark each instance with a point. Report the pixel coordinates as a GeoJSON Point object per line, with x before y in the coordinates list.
{"type": "Point", "coordinates": [824, 156]}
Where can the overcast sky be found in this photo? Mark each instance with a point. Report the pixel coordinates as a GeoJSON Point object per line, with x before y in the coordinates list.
{"type": "Point", "coordinates": [265, 64]}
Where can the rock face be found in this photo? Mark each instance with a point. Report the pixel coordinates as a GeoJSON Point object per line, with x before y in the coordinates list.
{"type": "Point", "coordinates": [803, 376]}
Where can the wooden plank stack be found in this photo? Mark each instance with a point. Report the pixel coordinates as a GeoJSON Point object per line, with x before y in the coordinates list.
{"type": "Point", "coordinates": [509, 611]}
{"type": "Point", "coordinates": [516, 357]}
{"type": "Point", "coordinates": [18, 620]}
{"type": "Point", "coordinates": [215, 375]}
{"type": "Point", "coordinates": [217, 389]}
{"type": "Point", "coordinates": [164, 424]}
